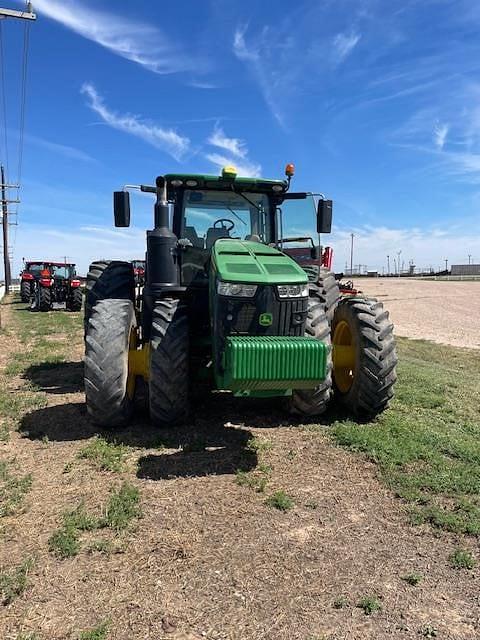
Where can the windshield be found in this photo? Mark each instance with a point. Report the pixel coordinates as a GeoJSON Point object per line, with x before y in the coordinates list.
{"type": "Point", "coordinates": [211, 215]}
{"type": "Point", "coordinates": [297, 219]}
{"type": "Point", "coordinates": [35, 268]}
{"type": "Point", "coordinates": [62, 271]}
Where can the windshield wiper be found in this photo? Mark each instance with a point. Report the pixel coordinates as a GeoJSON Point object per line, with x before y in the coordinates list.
{"type": "Point", "coordinates": [248, 200]}
{"type": "Point", "coordinates": [237, 216]}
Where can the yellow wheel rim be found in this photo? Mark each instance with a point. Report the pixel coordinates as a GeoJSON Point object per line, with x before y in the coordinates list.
{"type": "Point", "coordinates": [343, 357]}
{"type": "Point", "coordinates": [131, 377]}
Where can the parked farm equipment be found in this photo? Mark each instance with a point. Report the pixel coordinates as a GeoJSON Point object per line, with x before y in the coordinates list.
{"type": "Point", "coordinates": [224, 301]}
{"type": "Point", "coordinates": [31, 271]}
{"type": "Point", "coordinates": [139, 272]}
{"type": "Point", "coordinates": [55, 283]}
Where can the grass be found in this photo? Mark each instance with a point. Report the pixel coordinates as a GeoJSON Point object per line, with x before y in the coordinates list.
{"type": "Point", "coordinates": [429, 631]}
{"type": "Point", "coordinates": [427, 446]}
{"type": "Point", "coordinates": [64, 543]}
{"type": "Point", "coordinates": [280, 500]}
{"type": "Point", "coordinates": [13, 583]}
{"type": "Point", "coordinates": [102, 546]}
{"type": "Point", "coordinates": [13, 489]}
{"type": "Point", "coordinates": [122, 507]}
{"type": "Point", "coordinates": [256, 480]}
{"type": "Point", "coordinates": [462, 559]}
{"type": "Point", "coordinates": [258, 445]}
{"type": "Point", "coordinates": [413, 579]}
{"type": "Point", "coordinates": [369, 604]}
{"type": "Point", "coordinates": [37, 349]}
{"type": "Point", "coordinates": [99, 633]}
{"type": "Point", "coordinates": [104, 455]}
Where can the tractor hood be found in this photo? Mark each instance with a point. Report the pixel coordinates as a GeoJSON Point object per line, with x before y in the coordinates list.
{"type": "Point", "coordinates": [246, 261]}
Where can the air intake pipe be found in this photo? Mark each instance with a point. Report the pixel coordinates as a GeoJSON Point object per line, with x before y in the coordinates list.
{"type": "Point", "coordinates": [162, 257]}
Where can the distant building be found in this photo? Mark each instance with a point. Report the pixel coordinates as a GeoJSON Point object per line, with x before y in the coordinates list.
{"type": "Point", "coordinates": [465, 269]}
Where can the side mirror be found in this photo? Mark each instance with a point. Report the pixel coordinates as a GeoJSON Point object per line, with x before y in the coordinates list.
{"type": "Point", "coordinates": [324, 216]}
{"type": "Point", "coordinates": [121, 208]}
{"type": "Point", "coordinates": [315, 252]}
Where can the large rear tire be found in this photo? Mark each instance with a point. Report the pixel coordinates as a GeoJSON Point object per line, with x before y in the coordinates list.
{"type": "Point", "coordinates": [108, 280]}
{"type": "Point", "coordinates": [74, 301]}
{"type": "Point", "coordinates": [25, 291]}
{"type": "Point", "coordinates": [107, 343]}
{"type": "Point", "coordinates": [44, 298]}
{"type": "Point", "coordinates": [314, 402]}
{"type": "Point", "coordinates": [169, 371]}
{"type": "Point", "coordinates": [364, 356]}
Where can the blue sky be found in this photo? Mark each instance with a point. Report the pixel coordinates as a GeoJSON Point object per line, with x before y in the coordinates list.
{"type": "Point", "coordinates": [377, 104]}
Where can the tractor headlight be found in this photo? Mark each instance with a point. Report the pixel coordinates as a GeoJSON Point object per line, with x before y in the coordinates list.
{"type": "Point", "coordinates": [292, 290]}
{"type": "Point", "coordinates": [236, 289]}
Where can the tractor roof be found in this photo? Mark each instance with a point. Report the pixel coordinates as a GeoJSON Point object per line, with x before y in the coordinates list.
{"type": "Point", "coordinates": [49, 262]}
{"type": "Point", "coordinates": [205, 181]}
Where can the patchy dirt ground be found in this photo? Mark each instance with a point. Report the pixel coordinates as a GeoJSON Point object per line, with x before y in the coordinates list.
{"type": "Point", "coordinates": [446, 312]}
{"type": "Point", "coordinates": [209, 559]}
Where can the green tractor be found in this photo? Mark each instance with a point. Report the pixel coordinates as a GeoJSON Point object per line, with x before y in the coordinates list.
{"type": "Point", "coordinates": [223, 304]}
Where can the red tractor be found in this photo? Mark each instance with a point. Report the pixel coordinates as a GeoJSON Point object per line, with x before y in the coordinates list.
{"type": "Point", "coordinates": [28, 276]}
{"type": "Point", "coordinates": [313, 260]}
{"type": "Point", "coordinates": [56, 284]}
{"type": "Point", "coordinates": [139, 272]}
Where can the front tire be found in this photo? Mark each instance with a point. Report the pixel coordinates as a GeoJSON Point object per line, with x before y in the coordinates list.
{"type": "Point", "coordinates": [169, 371]}
{"type": "Point", "coordinates": [107, 343]}
{"type": "Point", "coordinates": [364, 356]}
{"type": "Point", "coordinates": [314, 402]}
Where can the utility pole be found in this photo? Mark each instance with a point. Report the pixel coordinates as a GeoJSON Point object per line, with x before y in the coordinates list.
{"type": "Point", "coordinates": [469, 258]}
{"type": "Point", "coordinates": [6, 257]}
{"type": "Point", "coordinates": [388, 265]}
{"type": "Point", "coordinates": [446, 264]}
{"type": "Point", "coordinates": [351, 255]}
{"type": "Point", "coordinates": [399, 253]}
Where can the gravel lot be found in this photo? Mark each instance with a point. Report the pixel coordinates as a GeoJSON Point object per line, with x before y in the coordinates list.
{"type": "Point", "coordinates": [443, 311]}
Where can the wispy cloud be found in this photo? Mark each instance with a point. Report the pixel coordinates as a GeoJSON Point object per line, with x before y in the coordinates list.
{"type": "Point", "coordinates": [343, 45]}
{"type": "Point", "coordinates": [258, 56]}
{"type": "Point", "coordinates": [240, 46]}
{"type": "Point", "coordinates": [142, 43]}
{"type": "Point", "coordinates": [440, 132]}
{"type": "Point", "coordinates": [237, 153]}
{"type": "Point", "coordinates": [244, 168]}
{"type": "Point", "coordinates": [233, 145]}
{"type": "Point", "coordinates": [61, 149]}
{"type": "Point", "coordinates": [166, 139]}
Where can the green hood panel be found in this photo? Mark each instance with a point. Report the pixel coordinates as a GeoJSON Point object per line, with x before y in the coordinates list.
{"type": "Point", "coordinates": [246, 261]}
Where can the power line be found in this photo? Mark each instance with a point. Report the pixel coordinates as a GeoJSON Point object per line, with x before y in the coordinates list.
{"type": "Point", "coordinates": [27, 15]}
{"type": "Point", "coordinates": [23, 98]}
{"type": "Point", "coordinates": [4, 96]}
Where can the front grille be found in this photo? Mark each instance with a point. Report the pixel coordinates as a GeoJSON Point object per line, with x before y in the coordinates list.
{"type": "Point", "coordinates": [244, 318]}
{"type": "Point", "coordinates": [291, 320]}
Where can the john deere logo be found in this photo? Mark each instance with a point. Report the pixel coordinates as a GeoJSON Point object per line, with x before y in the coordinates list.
{"type": "Point", "coordinates": [265, 319]}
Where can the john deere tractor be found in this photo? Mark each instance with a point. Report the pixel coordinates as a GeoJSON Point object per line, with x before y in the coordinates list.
{"type": "Point", "coordinates": [224, 305]}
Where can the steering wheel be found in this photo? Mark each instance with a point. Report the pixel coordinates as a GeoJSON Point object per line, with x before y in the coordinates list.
{"type": "Point", "coordinates": [223, 226]}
